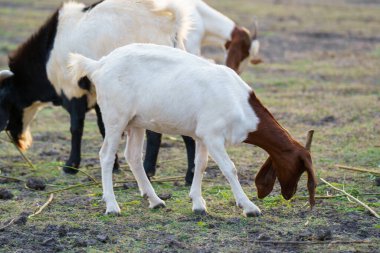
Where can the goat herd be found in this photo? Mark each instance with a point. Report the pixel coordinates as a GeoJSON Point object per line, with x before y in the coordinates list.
{"type": "Point", "coordinates": [137, 64]}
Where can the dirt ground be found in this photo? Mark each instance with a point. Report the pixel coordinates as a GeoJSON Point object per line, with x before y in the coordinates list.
{"type": "Point", "coordinates": [320, 71]}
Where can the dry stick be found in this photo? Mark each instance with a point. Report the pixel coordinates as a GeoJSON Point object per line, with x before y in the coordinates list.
{"type": "Point", "coordinates": [72, 187]}
{"type": "Point", "coordinates": [21, 153]}
{"type": "Point", "coordinates": [311, 242]}
{"type": "Point", "coordinates": [43, 207]}
{"type": "Point", "coordinates": [357, 169]}
{"type": "Point", "coordinates": [337, 196]}
{"type": "Point", "coordinates": [168, 179]}
{"type": "Point", "coordinates": [13, 178]}
{"type": "Point", "coordinates": [352, 197]}
{"type": "Point", "coordinates": [3, 140]}
{"type": "Point", "coordinates": [81, 171]}
{"type": "Point", "coordinates": [8, 225]}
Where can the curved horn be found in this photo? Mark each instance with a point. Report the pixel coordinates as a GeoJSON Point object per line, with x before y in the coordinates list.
{"type": "Point", "coordinates": [5, 74]}
{"type": "Point", "coordinates": [309, 139]}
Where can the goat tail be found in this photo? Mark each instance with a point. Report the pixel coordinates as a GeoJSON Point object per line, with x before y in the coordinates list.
{"type": "Point", "coordinates": [80, 66]}
{"type": "Point", "coordinates": [181, 11]}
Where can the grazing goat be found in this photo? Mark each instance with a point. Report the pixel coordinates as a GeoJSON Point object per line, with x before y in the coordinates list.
{"type": "Point", "coordinates": [209, 27]}
{"type": "Point", "coordinates": [38, 69]}
{"type": "Point", "coordinates": [166, 90]}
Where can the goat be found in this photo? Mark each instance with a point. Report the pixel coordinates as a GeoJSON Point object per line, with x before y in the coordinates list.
{"type": "Point", "coordinates": [38, 75]}
{"type": "Point", "coordinates": [166, 90]}
{"type": "Point", "coordinates": [209, 27]}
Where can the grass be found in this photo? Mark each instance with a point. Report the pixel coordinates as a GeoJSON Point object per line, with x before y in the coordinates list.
{"type": "Point", "coordinates": [330, 84]}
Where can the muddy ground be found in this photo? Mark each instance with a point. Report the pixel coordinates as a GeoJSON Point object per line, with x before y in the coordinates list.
{"type": "Point", "coordinates": [320, 71]}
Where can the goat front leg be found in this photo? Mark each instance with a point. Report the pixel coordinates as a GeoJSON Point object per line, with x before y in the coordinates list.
{"type": "Point", "coordinates": [77, 107]}
{"type": "Point", "coordinates": [107, 158]}
{"type": "Point", "coordinates": [102, 130]}
{"type": "Point", "coordinates": [220, 156]}
{"type": "Point", "coordinates": [201, 158]}
{"type": "Point", "coordinates": [133, 155]}
{"type": "Point", "coordinates": [190, 149]}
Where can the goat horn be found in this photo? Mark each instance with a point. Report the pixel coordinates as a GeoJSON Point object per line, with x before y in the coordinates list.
{"type": "Point", "coordinates": [254, 32]}
{"type": "Point", "coordinates": [309, 139]}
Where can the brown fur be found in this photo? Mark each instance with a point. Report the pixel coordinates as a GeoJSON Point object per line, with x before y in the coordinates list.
{"type": "Point", "coordinates": [287, 158]}
{"type": "Point", "coordinates": [238, 47]}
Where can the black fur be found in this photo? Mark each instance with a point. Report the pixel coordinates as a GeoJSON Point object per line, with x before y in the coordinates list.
{"type": "Point", "coordinates": [30, 84]}
{"type": "Point", "coordinates": [153, 142]}
{"type": "Point", "coordinates": [85, 83]}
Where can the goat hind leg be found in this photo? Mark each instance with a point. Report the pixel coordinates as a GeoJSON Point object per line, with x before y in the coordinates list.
{"type": "Point", "coordinates": [107, 158]}
{"type": "Point", "coordinates": [116, 166]}
{"type": "Point", "coordinates": [133, 155]}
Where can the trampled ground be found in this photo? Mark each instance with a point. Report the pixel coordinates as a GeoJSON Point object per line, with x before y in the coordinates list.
{"type": "Point", "coordinates": [320, 71]}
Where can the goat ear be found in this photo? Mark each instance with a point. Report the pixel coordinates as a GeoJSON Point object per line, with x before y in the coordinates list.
{"type": "Point", "coordinates": [5, 74]}
{"type": "Point", "coordinates": [311, 181]}
{"type": "Point", "coordinates": [265, 179]}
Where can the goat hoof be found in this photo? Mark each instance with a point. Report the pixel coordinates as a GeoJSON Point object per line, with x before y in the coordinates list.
{"type": "Point", "coordinates": [112, 213]}
{"type": "Point", "coordinates": [70, 168]}
{"type": "Point", "coordinates": [200, 212]}
{"type": "Point", "coordinates": [253, 214]}
{"type": "Point", "coordinates": [161, 205]}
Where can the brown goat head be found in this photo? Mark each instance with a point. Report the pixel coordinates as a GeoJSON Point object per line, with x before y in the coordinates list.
{"type": "Point", "coordinates": [288, 170]}
{"type": "Point", "coordinates": [240, 48]}
{"type": "Point", "coordinates": [287, 158]}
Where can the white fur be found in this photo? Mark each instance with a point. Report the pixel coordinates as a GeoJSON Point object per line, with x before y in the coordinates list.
{"type": "Point", "coordinates": [111, 24]}
{"type": "Point", "coordinates": [166, 90]}
{"type": "Point", "coordinates": [210, 27]}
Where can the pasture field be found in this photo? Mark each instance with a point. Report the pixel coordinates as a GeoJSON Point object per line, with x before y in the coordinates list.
{"type": "Point", "coordinates": [321, 71]}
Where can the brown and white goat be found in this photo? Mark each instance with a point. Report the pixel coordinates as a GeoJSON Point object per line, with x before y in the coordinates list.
{"type": "Point", "coordinates": [166, 90]}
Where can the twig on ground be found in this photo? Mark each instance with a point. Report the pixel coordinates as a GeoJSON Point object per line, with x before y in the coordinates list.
{"type": "Point", "coordinates": [8, 225]}
{"type": "Point", "coordinates": [13, 178]}
{"type": "Point", "coordinates": [357, 169]}
{"type": "Point", "coordinates": [4, 140]}
{"type": "Point", "coordinates": [173, 160]}
{"type": "Point", "coordinates": [336, 196]}
{"type": "Point", "coordinates": [22, 153]}
{"type": "Point", "coordinates": [43, 207]}
{"type": "Point", "coordinates": [83, 172]}
{"type": "Point", "coordinates": [163, 179]}
{"type": "Point", "coordinates": [72, 187]}
{"type": "Point", "coordinates": [312, 242]}
{"type": "Point", "coordinates": [352, 197]}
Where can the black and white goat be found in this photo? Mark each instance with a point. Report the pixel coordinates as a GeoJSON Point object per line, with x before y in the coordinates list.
{"type": "Point", "coordinates": [38, 73]}
{"type": "Point", "coordinates": [167, 90]}
{"type": "Point", "coordinates": [209, 27]}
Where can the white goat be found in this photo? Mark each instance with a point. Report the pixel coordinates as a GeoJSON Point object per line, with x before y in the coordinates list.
{"type": "Point", "coordinates": [143, 86]}
{"type": "Point", "coordinates": [210, 27]}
